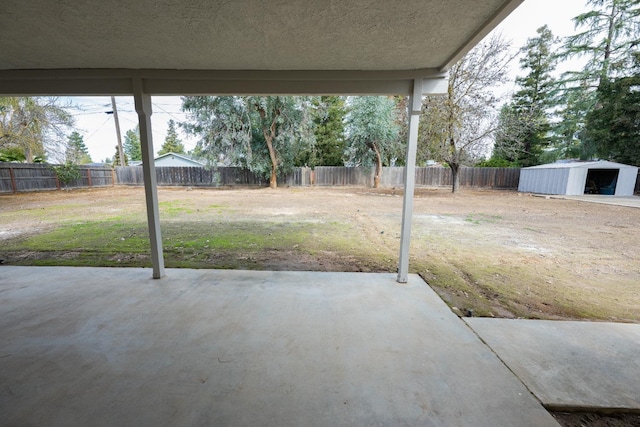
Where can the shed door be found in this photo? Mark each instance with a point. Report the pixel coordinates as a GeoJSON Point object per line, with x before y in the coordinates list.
{"type": "Point", "coordinates": [601, 181]}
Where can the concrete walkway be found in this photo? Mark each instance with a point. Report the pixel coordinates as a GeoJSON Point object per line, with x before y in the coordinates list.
{"type": "Point", "coordinates": [570, 365]}
{"type": "Point", "coordinates": [628, 201]}
{"type": "Point", "coordinates": [109, 346]}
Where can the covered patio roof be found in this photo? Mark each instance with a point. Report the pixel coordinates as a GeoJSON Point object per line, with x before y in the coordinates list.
{"type": "Point", "coordinates": [169, 47]}
{"type": "Point", "coordinates": [198, 46]}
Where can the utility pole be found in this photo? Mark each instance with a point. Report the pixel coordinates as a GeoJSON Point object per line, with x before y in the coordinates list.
{"type": "Point", "coordinates": [115, 117]}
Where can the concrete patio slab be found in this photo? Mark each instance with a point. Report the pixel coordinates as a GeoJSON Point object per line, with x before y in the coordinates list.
{"type": "Point", "coordinates": [627, 201]}
{"type": "Point", "coordinates": [570, 365]}
{"type": "Point", "coordinates": [110, 346]}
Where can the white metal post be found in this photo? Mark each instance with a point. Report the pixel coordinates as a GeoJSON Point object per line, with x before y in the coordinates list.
{"type": "Point", "coordinates": [415, 105]}
{"type": "Point", "coordinates": [143, 108]}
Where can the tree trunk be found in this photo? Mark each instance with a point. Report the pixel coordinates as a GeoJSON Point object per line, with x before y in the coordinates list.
{"type": "Point", "coordinates": [269, 134]}
{"type": "Point", "coordinates": [378, 173]}
{"type": "Point", "coordinates": [273, 181]}
{"type": "Point", "coordinates": [455, 178]}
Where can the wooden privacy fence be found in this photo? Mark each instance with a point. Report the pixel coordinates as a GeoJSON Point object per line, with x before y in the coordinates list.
{"type": "Point", "coordinates": [31, 177]}
{"type": "Point", "coordinates": [190, 176]}
{"type": "Point", "coordinates": [18, 177]}
{"type": "Point", "coordinates": [507, 178]}
{"type": "Point", "coordinates": [321, 176]}
{"type": "Point", "coordinates": [340, 176]}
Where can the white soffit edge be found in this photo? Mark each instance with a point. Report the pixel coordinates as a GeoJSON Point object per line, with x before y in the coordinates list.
{"type": "Point", "coordinates": [405, 39]}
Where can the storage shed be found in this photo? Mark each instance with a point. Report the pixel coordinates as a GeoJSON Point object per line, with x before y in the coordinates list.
{"type": "Point", "coordinates": [576, 178]}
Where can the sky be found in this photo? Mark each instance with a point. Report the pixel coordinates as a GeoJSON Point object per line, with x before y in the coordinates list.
{"type": "Point", "coordinates": [99, 131]}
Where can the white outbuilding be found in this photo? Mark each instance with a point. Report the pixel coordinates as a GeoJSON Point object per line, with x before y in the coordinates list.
{"type": "Point", "coordinates": [576, 178]}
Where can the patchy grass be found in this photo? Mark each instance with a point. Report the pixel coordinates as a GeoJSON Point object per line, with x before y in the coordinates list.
{"type": "Point", "coordinates": [239, 244]}
{"type": "Point", "coordinates": [494, 253]}
{"type": "Point", "coordinates": [480, 218]}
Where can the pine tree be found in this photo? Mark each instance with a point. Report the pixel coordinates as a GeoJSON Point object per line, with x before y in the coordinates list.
{"type": "Point", "coordinates": [609, 35]}
{"type": "Point", "coordinates": [610, 32]}
{"type": "Point", "coordinates": [329, 132]}
{"type": "Point", "coordinates": [116, 158]}
{"type": "Point", "coordinates": [131, 144]}
{"type": "Point", "coordinates": [613, 129]}
{"type": "Point", "coordinates": [524, 131]}
{"type": "Point", "coordinates": [77, 152]}
{"type": "Point", "coordinates": [171, 143]}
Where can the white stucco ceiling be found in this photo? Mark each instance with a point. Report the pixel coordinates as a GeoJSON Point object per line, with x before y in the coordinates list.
{"type": "Point", "coordinates": [242, 34]}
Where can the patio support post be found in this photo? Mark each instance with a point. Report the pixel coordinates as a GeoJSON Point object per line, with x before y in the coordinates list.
{"type": "Point", "coordinates": [143, 108]}
{"type": "Point", "coordinates": [415, 106]}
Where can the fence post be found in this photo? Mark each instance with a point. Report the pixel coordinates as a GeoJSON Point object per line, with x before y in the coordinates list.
{"type": "Point", "coordinates": [89, 177]}
{"type": "Point", "coordinates": [13, 180]}
{"type": "Point", "coordinates": [113, 177]}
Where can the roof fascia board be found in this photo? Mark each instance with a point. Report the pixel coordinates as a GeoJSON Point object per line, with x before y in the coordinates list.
{"type": "Point", "coordinates": [222, 82]}
{"type": "Point", "coordinates": [504, 11]}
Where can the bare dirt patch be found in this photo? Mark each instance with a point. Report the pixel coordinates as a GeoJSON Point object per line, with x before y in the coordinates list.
{"type": "Point", "coordinates": [490, 253]}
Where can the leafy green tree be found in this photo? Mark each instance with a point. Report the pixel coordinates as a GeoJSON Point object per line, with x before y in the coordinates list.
{"type": "Point", "coordinates": [172, 143]}
{"type": "Point", "coordinates": [494, 162]}
{"type": "Point", "coordinates": [66, 172]}
{"type": "Point", "coordinates": [35, 125]}
{"type": "Point", "coordinates": [267, 134]}
{"type": "Point", "coordinates": [12, 154]}
{"type": "Point", "coordinates": [223, 125]}
{"type": "Point", "coordinates": [457, 128]}
{"type": "Point", "coordinates": [372, 131]}
{"type": "Point", "coordinates": [329, 132]}
{"type": "Point", "coordinates": [77, 152]}
{"type": "Point", "coordinates": [131, 145]}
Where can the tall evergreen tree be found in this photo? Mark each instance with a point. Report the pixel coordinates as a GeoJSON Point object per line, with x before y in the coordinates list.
{"type": "Point", "coordinates": [172, 143]}
{"type": "Point", "coordinates": [525, 125]}
{"type": "Point", "coordinates": [610, 30]}
{"type": "Point", "coordinates": [613, 129]}
{"type": "Point", "coordinates": [77, 152]}
{"type": "Point", "coordinates": [116, 158]}
{"type": "Point", "coordinates": [329, 132]}
{"type": "Point", "coordinates": [568, 129]}
{"type": "Point", "coordinates": [131, 145]}
{"type": "Point", "coordinates": [608, 35]}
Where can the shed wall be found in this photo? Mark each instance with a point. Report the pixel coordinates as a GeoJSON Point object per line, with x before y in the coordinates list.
{"type": "Point", "coordinates": [626, 181]}
{"type": "Point", "coordinates": [543, 181]}
{"type": "Point", "coordinates": [576, 181]}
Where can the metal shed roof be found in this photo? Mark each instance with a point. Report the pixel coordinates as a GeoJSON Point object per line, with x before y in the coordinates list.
{"type": "Point", "coordinates": [600, 164]}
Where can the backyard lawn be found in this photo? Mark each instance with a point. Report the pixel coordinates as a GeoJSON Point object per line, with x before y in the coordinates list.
{"type": "Point", "coordinates": [490, 253]}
